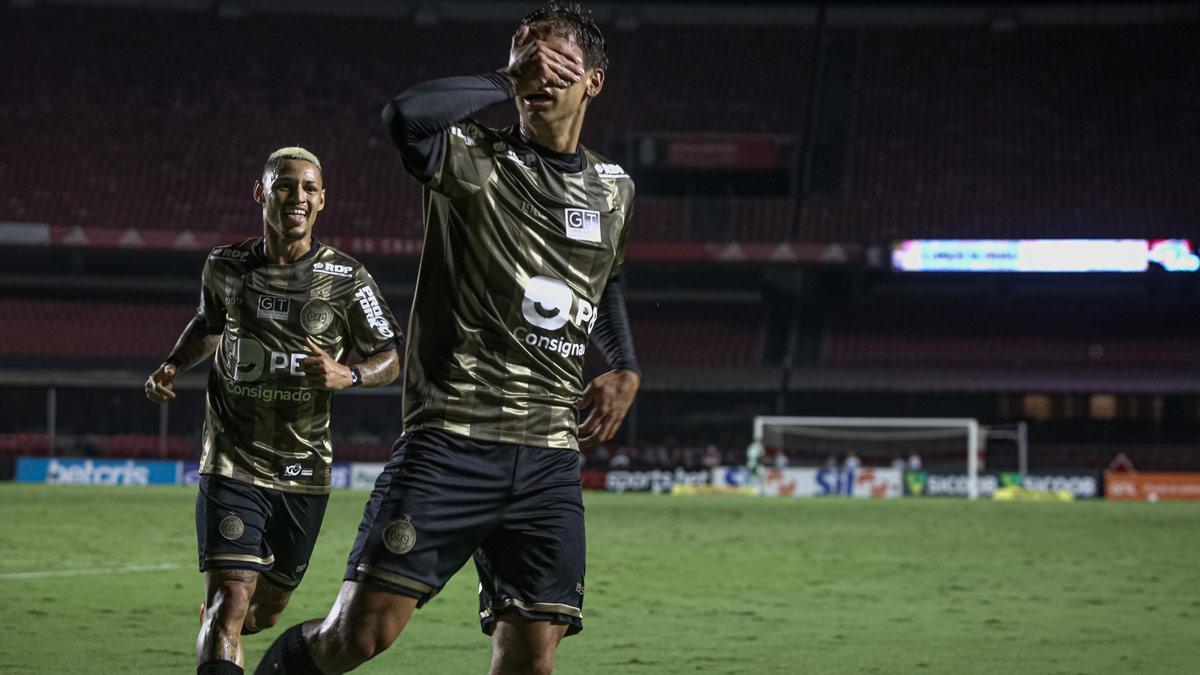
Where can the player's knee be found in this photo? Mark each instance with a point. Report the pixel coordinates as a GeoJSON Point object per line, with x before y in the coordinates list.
{"type": "Point", "coordinates": [264, 613]}
{"type": "Point", "coordinates": [518, 656]}
{"type": "Point", "coordinates": [542, 662]}
{"type": "Point", "coordinates": [229, 605]}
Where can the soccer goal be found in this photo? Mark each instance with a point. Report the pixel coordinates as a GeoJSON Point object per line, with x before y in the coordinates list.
{"type": "Point", "coordinates": [914, 443]}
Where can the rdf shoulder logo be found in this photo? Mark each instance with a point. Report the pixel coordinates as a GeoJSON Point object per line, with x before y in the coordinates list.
{"type": "Point", "coordinates": [333, 269]}
{"type": "Point", "coordinates": [604, 170]}
{"type": "Point", "coordinates": [228, 254]}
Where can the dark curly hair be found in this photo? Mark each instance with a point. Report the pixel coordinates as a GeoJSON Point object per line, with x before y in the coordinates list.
{"type": "Point", "coordinates": [580, 24]}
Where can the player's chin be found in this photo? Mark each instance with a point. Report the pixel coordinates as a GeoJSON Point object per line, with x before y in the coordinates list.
{"type": "Point", "coordinates": [296, 232]}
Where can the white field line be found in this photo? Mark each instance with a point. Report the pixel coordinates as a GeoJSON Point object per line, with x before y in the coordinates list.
{"type": "Point", "coordinates": [16, 576]}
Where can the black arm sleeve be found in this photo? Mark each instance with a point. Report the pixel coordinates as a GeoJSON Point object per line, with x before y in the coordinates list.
{"type": "Point", "coordinates": [417, 118]}
{"type": "Point", "coordinates": [612, 334]}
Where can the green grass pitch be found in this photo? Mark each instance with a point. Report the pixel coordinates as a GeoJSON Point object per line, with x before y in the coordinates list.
{"type": "Point", "coordinates": [674, 585]}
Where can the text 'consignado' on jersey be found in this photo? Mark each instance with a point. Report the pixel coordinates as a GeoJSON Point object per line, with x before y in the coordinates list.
{"type": "Point", "coordinates": [264, 422]}
{"type": "Point", "coordinates": [517, 254]}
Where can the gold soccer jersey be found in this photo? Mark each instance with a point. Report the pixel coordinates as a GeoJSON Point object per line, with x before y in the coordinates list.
{"type": "Point", "coordinates": [264, 423]}
{"type": "Point", "coordinates": [517, 254]}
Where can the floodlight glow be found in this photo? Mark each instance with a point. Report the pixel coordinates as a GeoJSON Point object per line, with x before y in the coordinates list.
{"type": "Point", "coordinates": [1021, 255]}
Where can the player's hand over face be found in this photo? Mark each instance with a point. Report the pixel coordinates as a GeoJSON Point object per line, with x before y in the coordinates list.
{"type": "Point", "coordinates": [535, 64]}
{"type": "Point", "coordinates": [323, 371]}
{"type": "Point", "coordinates": [160, 386]}
{"type": "Point", "coordinates": [609, 396]}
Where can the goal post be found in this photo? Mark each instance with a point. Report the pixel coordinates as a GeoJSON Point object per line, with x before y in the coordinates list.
{"type": "Point", "coordinates": [873, 437]}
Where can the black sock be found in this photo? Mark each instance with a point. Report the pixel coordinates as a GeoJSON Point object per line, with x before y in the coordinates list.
{"type": "Point", "coordinates": [219, 668]}
{"type": "Point", "coordinates": [288, 655]}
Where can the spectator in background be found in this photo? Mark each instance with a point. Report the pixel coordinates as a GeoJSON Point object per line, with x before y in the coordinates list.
{"type": "Point", "coordinates": [1121, 464]}
{"type": "Point", "coordinates": [914, 462]}
{"type": "Point", "coordinates": [852, 463]}
{"type": "Point", "coordinates": [781, 459]}
{"type": "Point", "coordinates": [898, 463]}
{"type": "Point", "coordinates": [712, 456]}
{"type": "Point", "coordinates": [620, 460]}
{"type": "Point", "coordinates": [600, 455]}
{"type": "Point", "coordinates": [656, 455]}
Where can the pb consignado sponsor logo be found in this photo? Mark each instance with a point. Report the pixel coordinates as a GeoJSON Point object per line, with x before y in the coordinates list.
{"type": "Point", "coordinates": [549, 304]}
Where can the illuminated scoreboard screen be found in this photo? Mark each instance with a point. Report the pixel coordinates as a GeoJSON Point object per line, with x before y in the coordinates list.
{"type": "Point", "coordinates": [1044, 255]}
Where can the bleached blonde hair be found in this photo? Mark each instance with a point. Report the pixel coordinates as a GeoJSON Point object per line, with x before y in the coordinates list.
{"type": "Point", "coordinates": [291, 152]}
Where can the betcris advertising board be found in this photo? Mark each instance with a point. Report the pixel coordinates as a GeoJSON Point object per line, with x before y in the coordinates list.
{"type": "Point", "coordinates": [863, 483]}
{"type": "Point", "coordinates": [86, 471]}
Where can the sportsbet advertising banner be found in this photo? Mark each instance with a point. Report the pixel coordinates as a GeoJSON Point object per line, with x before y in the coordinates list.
{"type": "Point", "coordinates": [1081, 484]}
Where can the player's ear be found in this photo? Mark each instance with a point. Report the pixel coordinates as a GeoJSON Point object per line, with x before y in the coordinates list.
{"type": "Point", "coordinates": [259, 192]}
{"type": "Point", "coordinates": [321, 201]}
{"type": "Point", "coordinates": [595, 82]}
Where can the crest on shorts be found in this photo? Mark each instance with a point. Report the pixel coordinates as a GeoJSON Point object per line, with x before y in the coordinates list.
{"type": "Point", "coordinates": [232, 527]}
{"type": "Point", "coordinates": [400, 536]}
{"type": "Point", "coordinates": [316, 316]}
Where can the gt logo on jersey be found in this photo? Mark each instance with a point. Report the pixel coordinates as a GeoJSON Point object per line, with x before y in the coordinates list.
{"type": "Point", "coordinates": [270, 307]}
{"type": "Point", "coordinates": [582, 224]}
{"type": "Point", "coordinates": [335, 270]}
{"type": "Point", "coordinates": [548, 304]}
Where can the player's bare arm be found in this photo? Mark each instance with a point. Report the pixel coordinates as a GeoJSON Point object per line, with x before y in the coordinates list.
{"type": "Point", "coordinates": [195, 345]}
{"type": "Point", "coordinates": [324, 372]}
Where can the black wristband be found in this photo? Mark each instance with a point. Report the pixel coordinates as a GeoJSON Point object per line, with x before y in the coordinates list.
{"type": "Point", "coordinates": [355, 376]}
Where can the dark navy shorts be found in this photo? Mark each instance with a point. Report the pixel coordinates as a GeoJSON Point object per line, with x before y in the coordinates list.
{"type": "Point", "coordinates": [517, 509]}
{"type": "Point", "coordinates": [246, 527]}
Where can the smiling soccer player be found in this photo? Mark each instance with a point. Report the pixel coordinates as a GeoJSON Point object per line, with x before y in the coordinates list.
{"type": "Point", "coordinates": [281, 312]}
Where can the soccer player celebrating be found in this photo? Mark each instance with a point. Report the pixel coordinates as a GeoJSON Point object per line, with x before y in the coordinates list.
{"type": "Point", "coordinates": [281, 312]}
{"type": "Point", "coordinates": [525, 236]}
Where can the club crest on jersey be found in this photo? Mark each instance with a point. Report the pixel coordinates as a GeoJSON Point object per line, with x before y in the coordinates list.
{"type": "Point", "coordinates": [582, 224]}
{"type": "Point", "coordinates": [400, 536]}
{"type": "Point", "coordinates": [232, 527]}
{"type": "Point", "coordinates": [316, 316]}
{"type": "Point", "coordinates": [335, 270]}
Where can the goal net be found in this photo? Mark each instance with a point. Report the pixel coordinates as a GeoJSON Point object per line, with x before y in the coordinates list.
{"type": "Point", "coordinates": [849, 449]}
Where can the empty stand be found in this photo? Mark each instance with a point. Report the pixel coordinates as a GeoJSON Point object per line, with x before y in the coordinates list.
{"type": "Point", "coordinates": [1066, 331]}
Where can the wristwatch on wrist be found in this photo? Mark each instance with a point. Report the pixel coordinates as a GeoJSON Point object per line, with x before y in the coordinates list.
{"type": "Point", "coordinates": [355, 376]}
